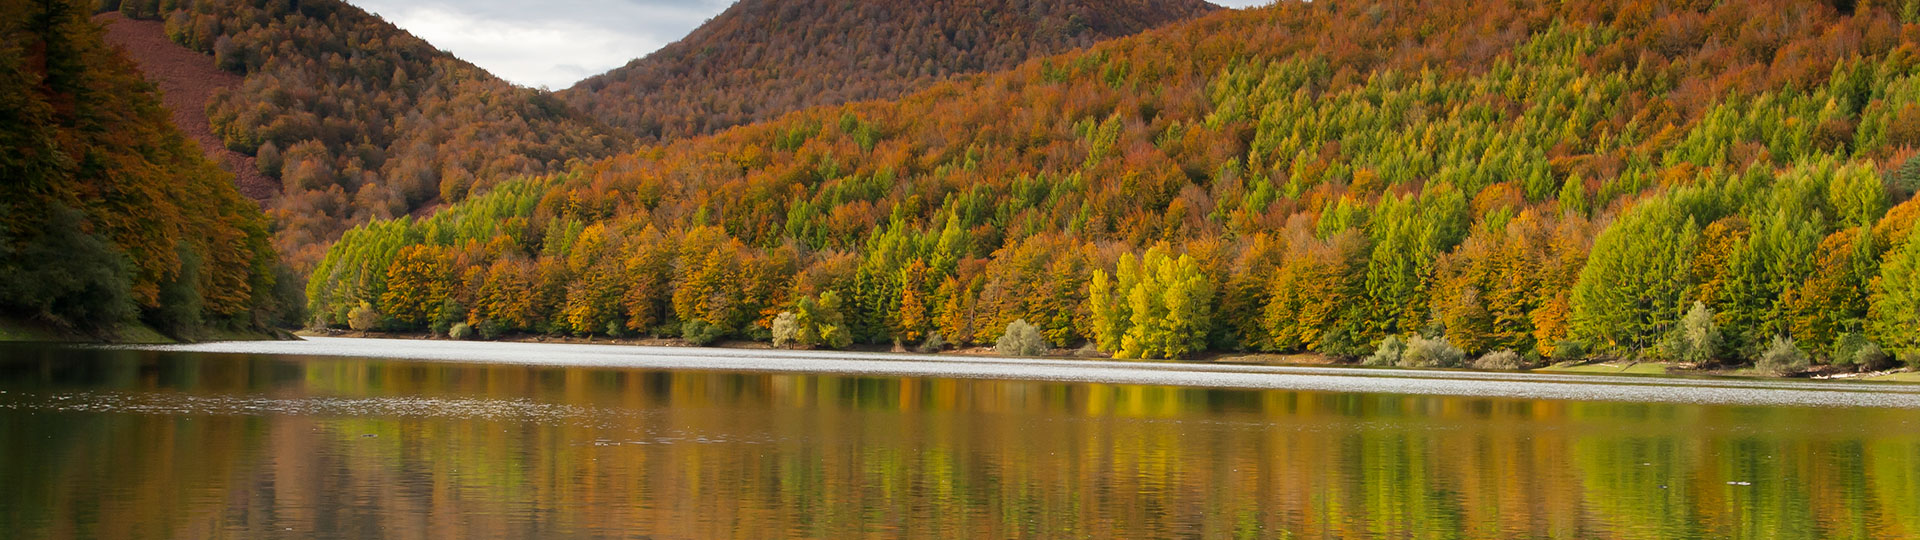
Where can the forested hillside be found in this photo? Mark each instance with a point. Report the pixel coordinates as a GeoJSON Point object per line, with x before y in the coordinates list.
{"type": "Point", "coordinates": [108, 214]}
{"type": "Point", "coordinates": [359, 120]}
{"type": "Point", "coordinates": [764, 58]}
{"type": "Point", "coordinates": [1693, 180]}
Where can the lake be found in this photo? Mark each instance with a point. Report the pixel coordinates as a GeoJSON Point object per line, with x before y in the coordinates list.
{"type": "Point", "coordinates": [464, 440]}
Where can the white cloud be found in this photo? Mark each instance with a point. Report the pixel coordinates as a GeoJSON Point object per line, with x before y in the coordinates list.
{"type": "Point", "coordinates": [552, 44]}
{"type": "Point", "coordinates": [555, 43]}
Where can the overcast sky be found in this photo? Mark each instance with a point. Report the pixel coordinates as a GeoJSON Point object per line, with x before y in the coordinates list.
{"type": "Point", "coordinates": [554, 43]}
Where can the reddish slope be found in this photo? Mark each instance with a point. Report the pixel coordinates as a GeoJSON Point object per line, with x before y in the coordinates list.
{"type": "Point", "coordinates": [187, 80]}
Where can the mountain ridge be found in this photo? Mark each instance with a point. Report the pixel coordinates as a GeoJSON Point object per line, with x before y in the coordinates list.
{"type": "Point", "coordinates": [760, 59]}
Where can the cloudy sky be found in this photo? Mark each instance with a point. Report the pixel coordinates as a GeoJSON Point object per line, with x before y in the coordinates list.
{"type": "Point", "coordinates": [554, 43]}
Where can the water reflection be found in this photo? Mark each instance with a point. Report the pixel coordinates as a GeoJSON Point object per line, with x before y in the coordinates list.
{"type": "Point", "coordinates": [130, 444]}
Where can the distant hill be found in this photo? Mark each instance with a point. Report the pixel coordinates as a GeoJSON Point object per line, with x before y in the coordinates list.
{"type": "Point", "coordinates": [356, 119]}
{"type": "Point", "coordinates": [763, 58]}
{"type": "Point", "coordinates": [109, 214]}
{"type": "Point", "coordinates": [1427, 180]}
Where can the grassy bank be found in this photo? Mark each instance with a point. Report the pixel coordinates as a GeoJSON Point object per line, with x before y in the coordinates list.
{"type": "Point", "coordinates": [15, 330]}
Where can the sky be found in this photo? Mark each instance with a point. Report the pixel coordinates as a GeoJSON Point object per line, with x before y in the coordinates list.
{"type": "Point", "coordinates": [555, 43]}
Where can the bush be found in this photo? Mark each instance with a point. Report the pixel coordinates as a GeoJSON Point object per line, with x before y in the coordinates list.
{"type": "Point", "coordinates": [363, 318]}
{"type": "Point", "coordinates": [1389, 352]}
{"type": "Point", "coordinates": [934, 343]}
{"type": "Point", "coordinates": [1021, 339]}
{"type": "Point", "coordinates": [1568, 350]}
{"type": "Point", "coordinates": [450, 312]}
{"type": "Point", "coordinates": [1697, 339]}
{"type": "Point", "coordinates": [786, 326]}
{"type": "Point", "coordinates": [491, 330]}
{"type": "Point", "coordinates": [1782, 358]}
{"type": "Point", "coordinates": [700, 333]}
{"type": "Point", "coordinates": [1341, 343]}
{"type": "Point", "coordinates": [1870, 358]}
{"type": "Point", "coordinates": [1435, 352]}
{"type": "Point", "coordinates": [1846, 350]}
{"type": "Point", "coordinates": [460, 331]}
{"type": "Point", "coordinates": [1502, 360]}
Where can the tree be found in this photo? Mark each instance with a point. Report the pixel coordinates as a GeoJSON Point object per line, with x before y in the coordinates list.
{"type": "Point", "coordinates": [418, 284]}
{"type": "Point", "coordinates": [1628, 296]}
{"type": "Point", "coordinates": [1162, 307]}
{"type": "Point", "coordinates": [1894, 312]}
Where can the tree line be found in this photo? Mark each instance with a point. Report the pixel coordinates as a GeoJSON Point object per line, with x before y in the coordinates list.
{"type": "Point", "coordinates": [109, 215]}
{"type": "Point", "coordinates": [1549, 179]}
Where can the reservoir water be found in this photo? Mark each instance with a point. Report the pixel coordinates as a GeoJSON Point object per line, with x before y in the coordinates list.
{"type": "Point", "coordinates": [398, 439]}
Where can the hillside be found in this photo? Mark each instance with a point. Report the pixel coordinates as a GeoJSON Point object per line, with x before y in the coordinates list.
{"type": "Point", "coordinates": [764, 58]}
{"type": "Point", "coordinates": [1680, 180]}
{"type": "Point", "coordinates": [187, 81]}
{"type": "Point", "coordinates": [358, 120]}
{"type": "Point", "coordinates": [110, 216]}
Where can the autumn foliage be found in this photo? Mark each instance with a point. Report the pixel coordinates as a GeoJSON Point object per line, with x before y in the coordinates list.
{"type": "Point", "coordinates": [108, 214]}
{"type": "Point", "coordinates": [764, 58]}
{"type": "Point", "coordinates": [1533, 176]}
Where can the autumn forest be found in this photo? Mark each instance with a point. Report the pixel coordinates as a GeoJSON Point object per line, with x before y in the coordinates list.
{"type": "Point", "coordinates": [1450, 184]}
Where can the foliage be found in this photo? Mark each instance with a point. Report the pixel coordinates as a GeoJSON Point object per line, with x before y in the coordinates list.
{"type": "Point", "coordinates": [1423, 352]}
{"type": "Point", "coordinates": [1783, 357]}
{"type": "Point", "coordinates": [1501, 360]}
{"type": "Point", "coordinates": [934, 343]}
{"type": "Point", "coordinates": [828, 52]}
{"type": "Point", "coordinates": [1020, 339]}
{"type": "Point", "coordinates": [1697, 339]}
{"type": "Point", "coordinates": [363, 318]}
{"type": "Point", "coordinates": [360, 120]}
{"type": "Point", "coordinates": [109, 212]}
{"type": "Point", "coordinates": [460, 331]}
{"type": "Point", "coordinates": [1529, 176]}
{"type": "Point", "coordinates": [1389, 353]}
{"type": "Point", "coordinates": [1157, 307]}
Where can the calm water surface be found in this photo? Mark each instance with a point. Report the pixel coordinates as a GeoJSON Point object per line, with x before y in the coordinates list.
{"type": "Point", "coordinates": [194, 444]}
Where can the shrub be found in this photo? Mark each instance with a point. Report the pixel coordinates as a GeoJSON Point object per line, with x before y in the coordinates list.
{"type": "Point", "coordinates": [1568, 350]}
{"type": "Point", "coordinates": [450, 312]}
{"type": "Point", "coordinates": [1782, 358]}
{"type": "Point", "coordinates": [1697, 339]}
{"type": "Point", "coordinates": [1846, 350]}
{"type": "Point", "coordinates": [363, 318]}
{"type": "Point", "coordinates": [786, 326]}
{"type": "Point", "coordinates": [934, 343]}
{"type": "Point", "coordinates": [1021, 339]}
{"type": "Point", "coordinates": [1502, 360]}
{"type": "Point", "coordinates": [700, 332]}
{"type": "Point", "coordinates": [1389, 352]}
{"type": "Point", "coordinates": [491, 330]}
{"type": "Point", "coordinates": [1870, 358]}
{"type": "Point", "coordinates": [1434, 352]}
{"type": "Point", "coordinates": [460, 331]}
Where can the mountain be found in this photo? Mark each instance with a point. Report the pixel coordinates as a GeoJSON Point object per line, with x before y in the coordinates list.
{"type": "Point", "coordinates": [355, 119]}
{"type": "Point", "coordinates": [1428, 181]}
{"type": "Point", "coordinates": [109, 214]}
{"type": "Point", "coordinates": [187, 81]}
{"type": "Point", "coordinates": [764, 58]}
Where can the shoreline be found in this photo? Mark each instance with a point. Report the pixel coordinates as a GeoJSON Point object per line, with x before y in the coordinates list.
{"type": "Point", "coordinates": [1592, 367]}
{"type": "Point", "coordinates": [1523, 385]}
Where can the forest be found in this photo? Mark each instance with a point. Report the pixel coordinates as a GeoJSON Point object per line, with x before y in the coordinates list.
{"type": "Point", "coordinates": [1401, 182]}
{"type": "Point", "coordinates": [764, 58]}
{"type": "Point", "coordinates": [359, 120]}
{"type": "Point", "coordinates": [109, 216]}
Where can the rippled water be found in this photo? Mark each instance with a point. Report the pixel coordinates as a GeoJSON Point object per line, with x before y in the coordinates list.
{"type": "Point", "coordinates": [313, 440]}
